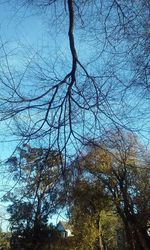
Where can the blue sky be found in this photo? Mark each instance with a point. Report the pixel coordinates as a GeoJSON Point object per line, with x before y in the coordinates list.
{"type": "Point", "coordinates": [15, 27]}
{"type": "Point", "coordinates": [15, 30]}
{"type": "Point", "coordinates": [28, 29]}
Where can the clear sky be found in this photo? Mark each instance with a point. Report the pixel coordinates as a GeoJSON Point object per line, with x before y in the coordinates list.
{"type": "Point", "coordinates": [17, 25]}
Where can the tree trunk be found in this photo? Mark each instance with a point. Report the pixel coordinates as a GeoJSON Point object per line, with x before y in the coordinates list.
{"type": "Point", "coordinates": [101, 245]}
{"type": "Point", "coordinates": [142, 240]}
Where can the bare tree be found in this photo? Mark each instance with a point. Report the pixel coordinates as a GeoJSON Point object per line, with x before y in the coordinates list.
{"type": "Point", "coordinates": [78, 95]}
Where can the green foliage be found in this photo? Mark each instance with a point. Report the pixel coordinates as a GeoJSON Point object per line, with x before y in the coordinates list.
{"type": "Point", "coordinates": [110, 193]}
{"type": "Point", "coordinates": [37, 194]}
{"type": "Point", "coordinates": [5, 241]}
{"type": "Point", "coordinates": [93, 221]}
{"type": "Point", "coordinates": [110, 223]}
{"type": "Point", "coordinates": [29, 240]}
{"type": "Point", "coordinates": [120, 169]}
{"type": "Point", "coordinates": [22, 216]}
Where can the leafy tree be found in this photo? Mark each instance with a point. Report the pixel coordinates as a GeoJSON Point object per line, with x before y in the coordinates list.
{"type": "Point", "coordinates": [123, 171]}
{"type": "Point", "coordinates": [93, 218]}
{"type": "Point", "coordinates": [5, 241]}
{"type": "Point", "coordinates": [37, 192]}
